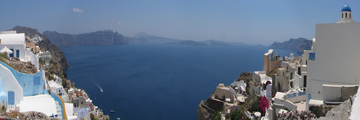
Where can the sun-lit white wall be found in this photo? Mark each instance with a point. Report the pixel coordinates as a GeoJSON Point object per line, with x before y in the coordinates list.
{"type": "Point", "coordinates": [336, 58]}
{"type": "Point", "coordinates": [10, 84]}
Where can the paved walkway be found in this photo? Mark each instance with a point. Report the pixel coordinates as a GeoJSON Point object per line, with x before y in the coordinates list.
{"type": "Point", "coordinates": [40, 103]}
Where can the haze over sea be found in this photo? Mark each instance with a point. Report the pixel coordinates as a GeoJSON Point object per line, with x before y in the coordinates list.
{"type": "Point", "coordinates": [158, 81]}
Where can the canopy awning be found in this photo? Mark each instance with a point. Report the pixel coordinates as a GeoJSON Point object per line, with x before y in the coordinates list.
{"type": "Point", "coordinates": [5, 49]}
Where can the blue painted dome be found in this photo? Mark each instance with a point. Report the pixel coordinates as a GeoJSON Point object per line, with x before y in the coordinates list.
{"type": "Point", "coordinates": [346, 8]}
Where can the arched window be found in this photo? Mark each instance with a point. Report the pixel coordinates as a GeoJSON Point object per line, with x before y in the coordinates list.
{"type": "Point", "coordinates": [342, 15]}
{"type": "Point", "coordinates": [345, 15]}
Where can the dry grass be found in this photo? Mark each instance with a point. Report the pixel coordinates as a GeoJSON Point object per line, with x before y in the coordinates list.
{"type": "Point", "coordinates": [15, 63]}
{"type": "Point", "coordinates": [4, 58]}
{"type": "Point", "coordinates": [14, 114]}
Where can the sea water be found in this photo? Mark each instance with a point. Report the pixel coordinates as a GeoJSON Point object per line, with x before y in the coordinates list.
{"type": "Point", "coordinates": [158, 81]}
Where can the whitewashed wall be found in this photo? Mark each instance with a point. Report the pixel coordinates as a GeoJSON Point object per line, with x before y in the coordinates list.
{"type": "Point", "coordinates": [10, 84]}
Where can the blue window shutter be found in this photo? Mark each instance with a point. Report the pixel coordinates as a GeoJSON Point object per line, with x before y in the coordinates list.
{"type": "Point", "coordinates": [17, 53]}
{"type": "Point", "coordinates": [311, 56]}
{"type": "Point", "coordinates": [12, 54]}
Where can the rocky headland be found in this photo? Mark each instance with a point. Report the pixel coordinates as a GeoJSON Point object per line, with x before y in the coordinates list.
{"type": "Point", "coordinates": [298, 45]}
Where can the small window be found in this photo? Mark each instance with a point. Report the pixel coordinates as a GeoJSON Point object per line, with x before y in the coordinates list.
{"type": "Point", "coordinates": [342, 15]}
{"type": "Point", "coordinates": [345, 15]}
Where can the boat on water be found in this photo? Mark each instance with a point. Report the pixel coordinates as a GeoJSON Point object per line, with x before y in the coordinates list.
{"type": "Point", "coordinates": [112, 111]}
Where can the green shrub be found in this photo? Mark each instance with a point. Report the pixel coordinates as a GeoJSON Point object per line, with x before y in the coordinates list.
{"type": "Point", "coordinates": [217, 115]}
{"type": "Point", "coordinates": [64, 83]}
{"type": "Point", "coordinates": [92, 116]}
{"type": "Point", "coordinates": [4, 55]}
{"type": "Point", "coordinates": [255, 106]}
{"type": "Point", "coordinates": [236, 115]}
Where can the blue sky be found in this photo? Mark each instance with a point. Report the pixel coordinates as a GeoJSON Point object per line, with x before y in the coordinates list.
{"type": "Point", "coordinates": [248, 21]}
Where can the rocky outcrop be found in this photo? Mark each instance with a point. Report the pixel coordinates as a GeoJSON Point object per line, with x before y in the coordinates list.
{"type": "Point", "coordinates": [305, 45]}
{"type": "Point", "coordinates": [32, 115]}
{"type": "Point", "coordinates": [28, 31]}
{"type": "Point", "coordinates": [298, 45]}
{"type": "Point", "coordinates": [340, 112]}
{"type": "Point", "coordinates": [22, 67]}
{"type": "Point", "coordinates": [46, 45]}
{"type": "Point", "coordinates": [205, 112]}
{"type": "Point", "coordinates": [105, 37]}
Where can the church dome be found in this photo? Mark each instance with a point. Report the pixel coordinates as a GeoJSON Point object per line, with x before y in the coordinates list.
{"type": "Point", "coordinates": [346, 8]}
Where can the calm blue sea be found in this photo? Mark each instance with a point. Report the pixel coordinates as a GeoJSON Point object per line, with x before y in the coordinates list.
{"type": "Point", "coordinates": [158, 81]}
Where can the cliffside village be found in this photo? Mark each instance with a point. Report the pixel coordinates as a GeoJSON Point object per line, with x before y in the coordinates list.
{"type": "Point", "coordinates": [23, 92]}
{"type": "Point", "coordinates": [301, 87]}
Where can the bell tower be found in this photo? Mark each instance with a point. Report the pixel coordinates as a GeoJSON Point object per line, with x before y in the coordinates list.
{"type": "Point", "coordinates": [346, 15]}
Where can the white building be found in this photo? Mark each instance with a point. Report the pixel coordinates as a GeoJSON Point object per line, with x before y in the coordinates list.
{"type": "Point", "coordinates": [16, 43]}
{"type": "Point", "coordinates": [57, 88]}
{"type": "Point", "coordinates": [333, 63]}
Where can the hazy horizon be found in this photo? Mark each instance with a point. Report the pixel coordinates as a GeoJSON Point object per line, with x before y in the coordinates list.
{"type": "Point", "coordinates": [250, 22]}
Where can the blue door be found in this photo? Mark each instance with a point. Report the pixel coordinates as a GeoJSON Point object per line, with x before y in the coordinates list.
{"type": "Point", "coordinates": [12, 54]}
{"type": "Point", "coordinates": [17, 53]}
{"type": "Point", "coordinates": [11, 98]}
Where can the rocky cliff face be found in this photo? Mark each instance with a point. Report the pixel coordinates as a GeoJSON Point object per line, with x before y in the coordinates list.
{"type": "Point", "coordinates": [299, 45]}
{"type": "Point", "coordinates": [46, 45]}
{"type": "Point", "coordinates": [105, 37]}
{"type": "Point", "coordinates": [306, 45]}
{"type": "Point", "coordinates": [28, 31]}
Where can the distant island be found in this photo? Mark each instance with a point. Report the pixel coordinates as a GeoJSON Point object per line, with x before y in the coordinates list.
{"type": "Point", "coordinates": [104, 37]}
{"type": "Point", "coordinates": [259, 45]}
{"type": "Point", "coordinates": [145, 38]}
{"type": "Point", "coordinates": [109, 37]}
{"type": "Point", "coordinates": [215, 42]}
{"type": "Point", "coordinates": [298, 45]}
{"type": "Point", "coordinates": [187, 42]}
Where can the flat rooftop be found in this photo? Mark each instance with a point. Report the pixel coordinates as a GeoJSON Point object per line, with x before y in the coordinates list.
{"type": "Point", "coordinates": [69, 107]}
{"type": "Point", "coordinates": [40, 103]}
{"type": "Point", "coordinates": [315, 102]}
{"type": "Point", "coordinates": [301, 106]}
